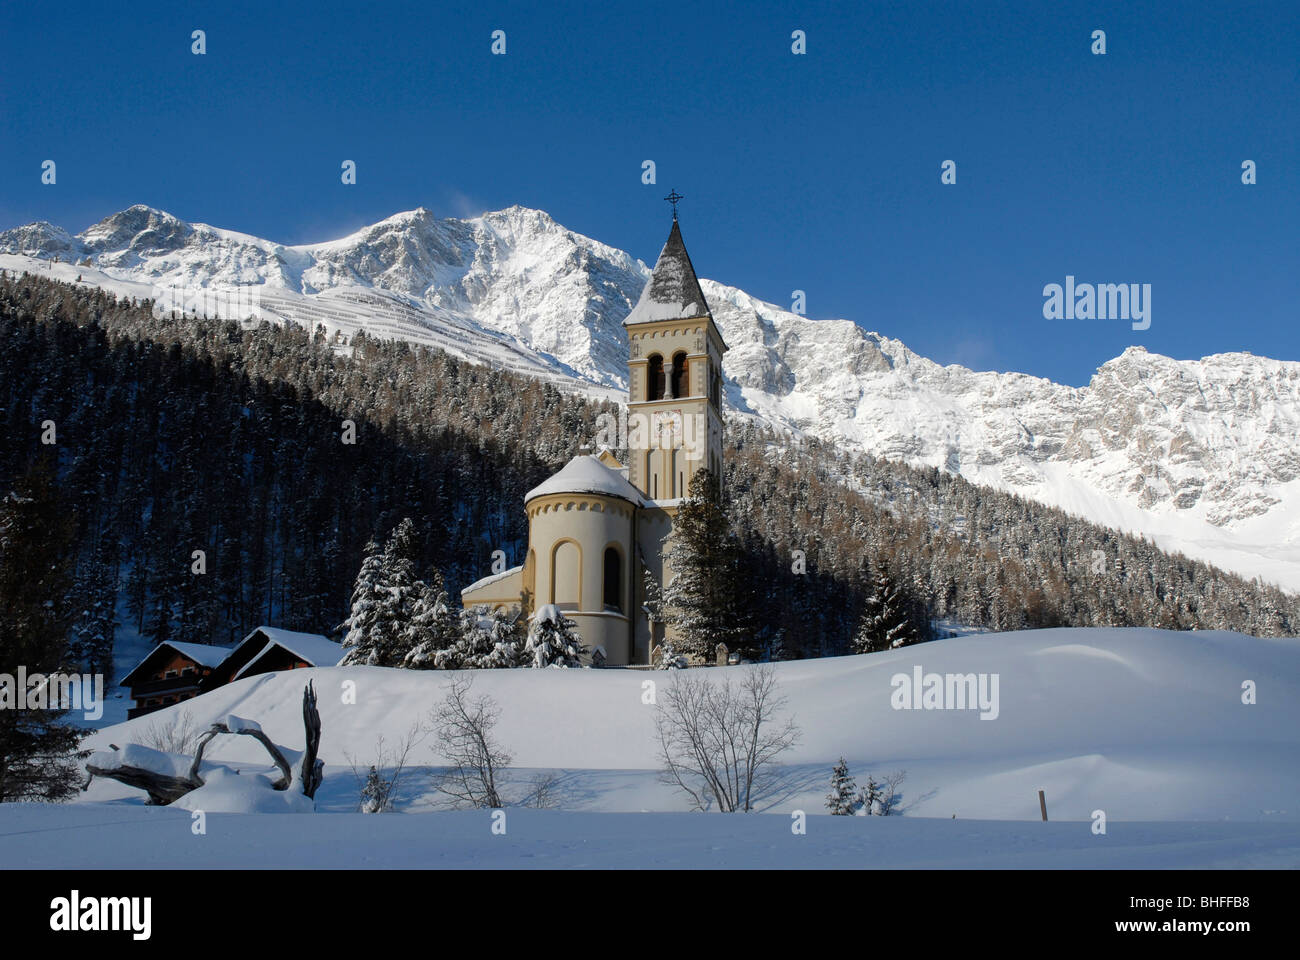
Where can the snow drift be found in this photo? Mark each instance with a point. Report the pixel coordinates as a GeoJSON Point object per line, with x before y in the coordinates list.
{"type": "Point", "coordinates": [1143, 724]}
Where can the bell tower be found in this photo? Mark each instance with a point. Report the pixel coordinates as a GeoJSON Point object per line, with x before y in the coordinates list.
{"type": "Point", "coordinates": [674, 377]}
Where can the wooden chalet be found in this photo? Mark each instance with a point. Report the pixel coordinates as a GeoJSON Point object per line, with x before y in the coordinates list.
{"type": "Point", "coordinates": [172, 672]}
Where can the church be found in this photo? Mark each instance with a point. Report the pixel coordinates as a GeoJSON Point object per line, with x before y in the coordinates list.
{"type": "Point", "coordinates": [598, 528]}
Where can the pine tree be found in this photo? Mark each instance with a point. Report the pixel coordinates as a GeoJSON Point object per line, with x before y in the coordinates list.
{"type": "Point", "coordinates": [378, 630]}
{"type": "Point", "coordinates": [38, 758]}
{"type": "Point", "coordinates": [365, 637]}
{"type": "Point", "coordinates": [489, 640]}
{"type": "Point", "coordinates": [842, 801]}
{"type": "Point", "coordinates": [885, 623]}
{"type": "Point", "coordinates": [703, 599]}
{"type": "Point", "coordinates": [434, 626]}
{"type": "Point", "coordinates": [96, 595]}
{"type": "Point", "coordinates": [869, 800]}
{"type": "Point", "coordinates": [553, 639]}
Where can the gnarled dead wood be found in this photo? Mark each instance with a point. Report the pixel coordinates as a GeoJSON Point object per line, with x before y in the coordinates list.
{"type": "Point", "coordinates": [162, 788]}
{"type": "Point", "coordinates": [166, 788]}
{"type": "Point", "coordinates": [312, 771]}
{"type": "Point", "coordinates": [286, 775]}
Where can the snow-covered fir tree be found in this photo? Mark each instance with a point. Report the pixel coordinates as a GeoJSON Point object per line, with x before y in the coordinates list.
{"type": "Point", "coordinates": [378, 630]}
{"type": "Point", "coordinates": [374, 793]}
{"type": "Point", "coordinates": [843, 800]}
{"type": "Point", "coordinates": [886, 623]}
{"type": "Point", "coordinates": [869, 800]}
{"type": "Point", "coordinates": [553, 639]}
{"type": "Point", "coordinates": [434, 626]}
{"type": "Point", "coordinates": [488, 640]}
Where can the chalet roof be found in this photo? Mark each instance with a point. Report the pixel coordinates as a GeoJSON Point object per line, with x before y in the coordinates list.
{"type": "Point", "coordinates": [201, 654]}
{"type": "Point", "coordinates": [311, 647]}
{"type": "Point", "coordinates": [673, 292]}
{"type": "Point", "coordinates": [587, 474]}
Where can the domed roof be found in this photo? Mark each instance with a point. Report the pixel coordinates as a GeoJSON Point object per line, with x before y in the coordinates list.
{"type": "Point", "coordinates": [586, 474]}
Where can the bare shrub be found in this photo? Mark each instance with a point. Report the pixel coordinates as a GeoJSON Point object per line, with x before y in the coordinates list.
{"type": "Point", "coordinates": [475, 759]}
{"type": "Point", "coordinates": [889, 794]}
{"type": "Point", "coordinates": [719, 741]}
{"type": "Point", "coordinates": [378, 786]}
{"type": "Point", "coordinates": [175, 735]}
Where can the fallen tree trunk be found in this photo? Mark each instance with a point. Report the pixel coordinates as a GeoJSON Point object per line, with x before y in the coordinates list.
{"type": "Point", "coordinates": [164, 788]}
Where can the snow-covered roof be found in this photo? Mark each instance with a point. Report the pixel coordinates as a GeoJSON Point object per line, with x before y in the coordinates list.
{"type": "Point", "coordinates": [490, 579]}
{"type": "Point", "coordinates": [673, 292]}
{"type": "Point", "coordinates": [203, 654]}
{"type": "Point", "coordinates": [312, 647]}
{"type": "Point", "coordinates": [287, 638]}
{"type": "Point", "coordinates": [586, 474]}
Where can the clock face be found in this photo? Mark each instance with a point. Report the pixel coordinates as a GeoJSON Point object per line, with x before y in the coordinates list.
{"type": "Point", "coordinates": [668, 422]}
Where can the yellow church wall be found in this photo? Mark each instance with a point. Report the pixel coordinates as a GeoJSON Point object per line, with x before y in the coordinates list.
{"type": "Point", "coordinates": [568, 535]}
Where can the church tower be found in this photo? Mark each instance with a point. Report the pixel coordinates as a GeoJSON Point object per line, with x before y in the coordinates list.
{"type": "Point", "coordinates": [674, 378]}
{"type": "Point", "coordinates": [599, 532]}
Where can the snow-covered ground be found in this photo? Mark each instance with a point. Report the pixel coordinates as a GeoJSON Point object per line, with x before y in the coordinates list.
{"type": "Point", "coordinates": [109, 837]}
{"type": "Point", "coordinates": [1148, 726]}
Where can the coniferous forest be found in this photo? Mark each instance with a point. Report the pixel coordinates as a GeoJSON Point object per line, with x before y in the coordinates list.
{"type": "Point", "coordinates": [156, 437]}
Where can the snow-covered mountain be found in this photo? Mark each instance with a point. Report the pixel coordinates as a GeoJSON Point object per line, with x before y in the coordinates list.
{"type": "Point", "coordinates": [1203, 456]}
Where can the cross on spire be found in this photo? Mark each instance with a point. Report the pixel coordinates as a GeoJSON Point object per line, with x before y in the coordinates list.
{"type": "Point", "coordinates": [673, 198]}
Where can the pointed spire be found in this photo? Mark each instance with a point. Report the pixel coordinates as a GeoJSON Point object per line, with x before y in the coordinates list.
{"type": "Point", "coordinates": [673, 292]}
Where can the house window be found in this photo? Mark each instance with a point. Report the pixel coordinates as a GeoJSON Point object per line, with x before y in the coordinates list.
{"type": "Point", "coordinates": [613, 580]}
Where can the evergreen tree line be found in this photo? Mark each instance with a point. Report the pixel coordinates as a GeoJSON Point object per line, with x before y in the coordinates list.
{"type": "Point", "coordinates": [909, 550]}
{"type": "Point", "coordinates": [173, 436]}
{"type": "Point", "coordinates": [176, 436]}
{"type": "Point", "coordinates": [399, 620]}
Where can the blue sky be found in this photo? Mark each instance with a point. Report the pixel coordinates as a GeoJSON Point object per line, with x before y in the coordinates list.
{"type": "Point", "coordinates": [818, 172]}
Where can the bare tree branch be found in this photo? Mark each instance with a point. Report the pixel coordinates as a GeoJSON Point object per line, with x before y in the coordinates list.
{"type": "Point", "coordinates": [718, 741]}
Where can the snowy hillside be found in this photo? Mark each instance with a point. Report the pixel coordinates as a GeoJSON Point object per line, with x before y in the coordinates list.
{"type": "Point", "coordinates": [1144, 724]}
{"type": "Point", "coordinates": [1147, 726]}
{"type": "Point", "coordinates": [1201, 455]}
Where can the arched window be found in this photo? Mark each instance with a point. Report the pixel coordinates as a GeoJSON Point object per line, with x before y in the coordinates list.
{"type": "Point", "coordinates": [566, 575]}
{"type": "Point", "coordinates": [654, 380]}
{"type": "Point", "coordinates": [680, 382]}
{"type": "Point", "coordinates": [613, 580]}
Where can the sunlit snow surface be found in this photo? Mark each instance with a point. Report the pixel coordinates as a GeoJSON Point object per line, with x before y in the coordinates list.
{"type": "Point", "coordinates": [1148, 726]}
